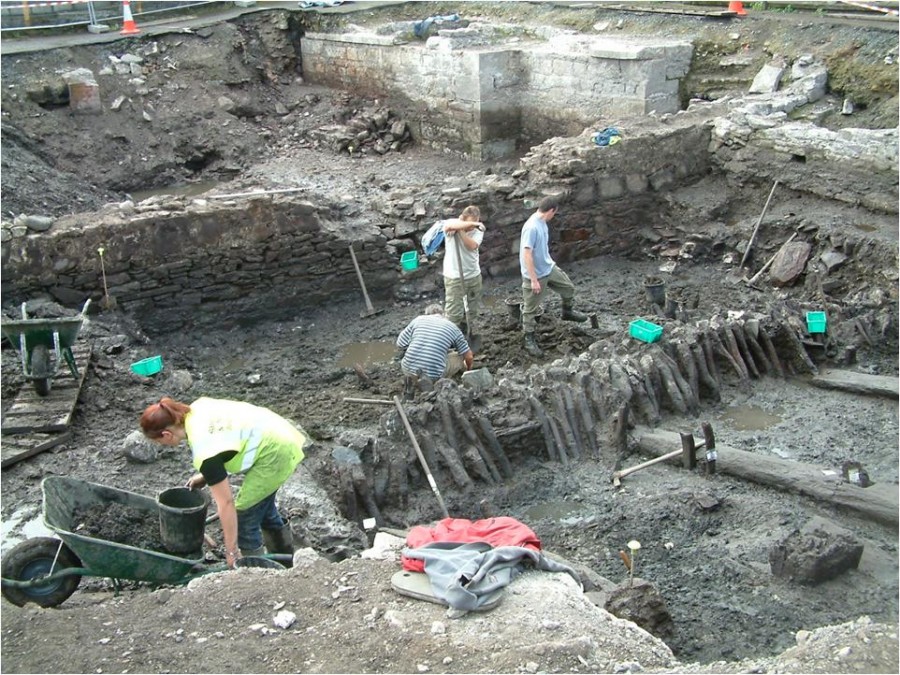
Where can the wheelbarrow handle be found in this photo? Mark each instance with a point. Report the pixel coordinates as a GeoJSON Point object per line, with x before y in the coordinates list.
{"type": "Point", "coordinates": [38, 581]}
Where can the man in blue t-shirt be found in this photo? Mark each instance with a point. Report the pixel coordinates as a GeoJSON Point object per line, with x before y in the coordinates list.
{"type": "Point", "coordinates": [539, 272]}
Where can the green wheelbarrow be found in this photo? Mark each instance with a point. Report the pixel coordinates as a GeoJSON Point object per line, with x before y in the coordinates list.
{"type": "Point", "coordinates": [47, 570]}
{"type": "Point", "coordinates": [43, 344]}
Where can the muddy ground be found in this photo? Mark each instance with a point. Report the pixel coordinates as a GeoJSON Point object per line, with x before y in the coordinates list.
{"type": "Point", "coordinates": [710, 564]}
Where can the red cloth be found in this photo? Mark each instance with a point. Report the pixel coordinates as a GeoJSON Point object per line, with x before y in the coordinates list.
{"type": "Point", "coordinates": [502, 531]}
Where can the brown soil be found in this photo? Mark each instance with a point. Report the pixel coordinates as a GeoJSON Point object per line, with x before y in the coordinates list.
{"type": "Point", "coordinates": [120, 524]}
{"type": "Point", "coordinates": [710, 565]}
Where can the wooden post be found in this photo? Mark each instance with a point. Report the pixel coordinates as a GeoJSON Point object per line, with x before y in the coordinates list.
{"type": "Point", "coordinates": [710, 443]}
{"type": "Point", "coordinates": [688, 451]}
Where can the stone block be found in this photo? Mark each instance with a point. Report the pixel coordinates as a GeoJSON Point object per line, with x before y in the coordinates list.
{"type": "Point", "coordinates": [478, 379]}
{"type": "Point", "coordinates": [767, 79]}
{"type": "Point", "coordinates": [611, 187]}
{"type": "Point", "coordinates": [84, 97]}
{"type": "Point", "coordinates": [789, 263]}
{"type": "Point", "coordinates": [662, 179]}
{"type": "Point", "coordinates": [818, 552]}
{"type": "Point", "coordinates": [636, 183]}
{"type": "Point", "coordinates": [584, 193]}
{"type": "Point", "coordinates": [494, 149]}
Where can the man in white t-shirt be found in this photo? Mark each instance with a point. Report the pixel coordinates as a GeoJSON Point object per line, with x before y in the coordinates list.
{"type": "Point", "coordinates": [466, 233]}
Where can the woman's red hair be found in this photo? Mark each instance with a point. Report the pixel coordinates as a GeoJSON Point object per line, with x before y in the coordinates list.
{"type": "Point", "coordinates": [160, 416]}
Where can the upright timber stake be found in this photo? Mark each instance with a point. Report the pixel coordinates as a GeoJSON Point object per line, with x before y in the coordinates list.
{"type": "Point", "coordinates": [412, 437]}
{"type": "Point", "coordinates": [688, 451]}
{"type": "Point", "coordinates": [710, 443]}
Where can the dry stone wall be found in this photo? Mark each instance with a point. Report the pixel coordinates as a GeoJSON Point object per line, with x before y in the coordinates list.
{"type": "Point", "coordinates": [177, 264]}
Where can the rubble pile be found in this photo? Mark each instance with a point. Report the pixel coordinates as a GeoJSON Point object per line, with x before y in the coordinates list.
{"type": "Point", "coordinates": [373, 130]}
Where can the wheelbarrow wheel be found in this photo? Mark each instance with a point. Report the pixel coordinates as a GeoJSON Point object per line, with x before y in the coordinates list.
{"type": "Point", "coordinates": [40, 369]}
{"type": "Point", "coordinates": [33, 559]}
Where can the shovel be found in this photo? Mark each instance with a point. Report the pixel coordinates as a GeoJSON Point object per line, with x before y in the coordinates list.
{"type": "Point", "coordinates": [108, 302]}
{"type": "Point", "coordinates": [475, 344]}
{"type": "Point", "coordinates": [370, 310]}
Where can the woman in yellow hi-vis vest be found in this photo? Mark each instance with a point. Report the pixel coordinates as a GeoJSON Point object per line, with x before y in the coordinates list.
{"type": "Point", "coordinates": [234, 437]}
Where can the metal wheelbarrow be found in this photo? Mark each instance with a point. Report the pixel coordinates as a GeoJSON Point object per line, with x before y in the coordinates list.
{"type": "Point", "coordinates": [47, 570]}
{"type": "Point", "coordinates": [42, 344]}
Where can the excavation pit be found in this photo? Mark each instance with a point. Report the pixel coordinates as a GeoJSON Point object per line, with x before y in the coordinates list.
{"type": "Point", "coordinates": [247, 291]}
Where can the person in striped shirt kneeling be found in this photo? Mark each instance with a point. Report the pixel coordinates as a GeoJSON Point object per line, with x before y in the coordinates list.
{"type": "Point", "coordinates": [433, 346]}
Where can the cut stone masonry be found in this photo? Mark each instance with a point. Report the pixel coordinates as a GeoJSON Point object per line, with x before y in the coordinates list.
{"type": "Point", "coordinates": [485, 99]}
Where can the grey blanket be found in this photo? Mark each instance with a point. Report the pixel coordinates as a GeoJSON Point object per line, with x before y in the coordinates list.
{"type": "Point", "coordinates": [468, 576]}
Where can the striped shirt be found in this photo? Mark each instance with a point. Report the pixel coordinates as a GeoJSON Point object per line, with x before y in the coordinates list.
{"type": "Point", "coordinates": [427, 340]}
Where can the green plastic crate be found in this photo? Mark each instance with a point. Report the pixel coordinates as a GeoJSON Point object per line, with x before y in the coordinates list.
{"type": "Point", "coordinates": [816, 322]}
{"type": "Point", "coordinates": [645, 331]}
{"type": "Point", "coordinates": [148, 367]}
{"type": "Point", "coordinates": [409, 260]}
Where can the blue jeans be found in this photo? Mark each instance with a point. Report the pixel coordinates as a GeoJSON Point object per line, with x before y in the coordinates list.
{"type": "Point", "coordinates": [250, 521]}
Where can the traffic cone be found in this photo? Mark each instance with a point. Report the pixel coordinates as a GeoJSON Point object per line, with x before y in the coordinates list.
{"type": "Point", "coordinates": [129, 27]}
{"type": "Point", "coordinates": [736, 7]}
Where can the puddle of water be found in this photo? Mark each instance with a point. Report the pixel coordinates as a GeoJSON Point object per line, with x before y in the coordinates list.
{"type": "Point", "coordinates": [189, 190]}
{"type": "Point", "coordinates": [751, 418]}
{"type": "Point", "coordinates": [367, 353]}
{"type": "Point", "coordinates": [553, 510]}
{"type": "Point", "coordinates": [27, 525]}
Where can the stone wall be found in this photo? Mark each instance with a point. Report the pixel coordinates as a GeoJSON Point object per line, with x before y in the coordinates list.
{"type": "Point", "coordinates": [766, 136]}
{"type": "Point", "coordinates": [203, 262]}
{"type": "Point", "coordinates": [484, 99]}
{"type": "Point", "coordinates": [179, 261]}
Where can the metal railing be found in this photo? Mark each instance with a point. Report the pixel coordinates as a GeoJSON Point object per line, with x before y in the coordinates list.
{"type": "Point", "coordinates": [28, 15]}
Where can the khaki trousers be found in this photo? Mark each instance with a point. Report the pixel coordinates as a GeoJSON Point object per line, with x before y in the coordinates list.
{"type": "Point", "coordinates": [454, 292]}
{"type": "Point", "coordinates": [557, 281]}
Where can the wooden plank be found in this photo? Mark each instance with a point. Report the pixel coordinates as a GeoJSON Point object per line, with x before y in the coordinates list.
{"type": "Point", "coordinates": [16, 448]}
{"type": "Point", "coordinates": [673, 8]}
{"type": "Point", "coordinates": [878, 502]}
{"type": "Point", "coordinates": [52, 413]}
{"type": "Point", "coordinates": [858, 383]}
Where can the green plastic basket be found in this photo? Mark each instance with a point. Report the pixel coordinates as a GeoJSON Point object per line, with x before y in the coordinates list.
{"type": "Point", "coordinates": [816, 322]}
{"type": "Point", "coordinates": [147, 367]}
{"type": "Point", "coordinates": [645, 331]}
{"type": "Point", "coordinates": [409, 260]}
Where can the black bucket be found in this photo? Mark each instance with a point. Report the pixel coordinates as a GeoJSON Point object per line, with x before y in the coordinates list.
{"type": "Point", "coordinates": [182, 519]}
{"type": "Point", "coordinates": [514, 307]}
{"type": "Point", "coordinates": [655, 289]}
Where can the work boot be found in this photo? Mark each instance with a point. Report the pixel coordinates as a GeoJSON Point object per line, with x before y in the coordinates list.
{"type": "Point", "coordinates": [531, 345]}
{"type": "Point", "coordinates": [571, 314]}
{"type": "Point", "coordinates": [279, 541]}
{"type": "Point", "coordinates": [410, 386]}
{"type": "Point", "coordinates": [253, 552]}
